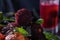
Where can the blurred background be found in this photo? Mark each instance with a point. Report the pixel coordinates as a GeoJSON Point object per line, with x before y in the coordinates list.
{"type": "Point", "coordinates": [14, 5]}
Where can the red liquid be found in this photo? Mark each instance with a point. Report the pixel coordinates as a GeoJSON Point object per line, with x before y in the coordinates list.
{"type": "Point", "coordinates": [50, 15]}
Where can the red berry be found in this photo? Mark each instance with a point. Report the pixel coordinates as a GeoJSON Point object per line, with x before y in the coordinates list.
{"type": "Point", "coordinates": [23, 17]}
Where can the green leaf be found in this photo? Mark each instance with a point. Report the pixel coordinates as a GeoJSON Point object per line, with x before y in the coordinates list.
{"type": "Point", "coordinates": [40, 21]}
{"type": "Point", "coordinates": [50, 36]}
{"type": "Point", "coordinates": [22, 31]}
{"type": "Point", "coordinates": [8, 19]}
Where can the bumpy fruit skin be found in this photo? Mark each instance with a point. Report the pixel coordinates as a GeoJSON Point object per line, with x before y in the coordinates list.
{"type": "Point", "coordinates": [23, 17]}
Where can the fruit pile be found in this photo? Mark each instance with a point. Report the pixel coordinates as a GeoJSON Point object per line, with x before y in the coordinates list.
{"type": "Point", "coordinates": [23, 28]}
{"type": "Point", "coordinates": [13, 31]}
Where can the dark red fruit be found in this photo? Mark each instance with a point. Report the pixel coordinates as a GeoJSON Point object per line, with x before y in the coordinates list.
{"type": "Point", "coordinates": [37, 32]}
{"type": "Point", "coordinates": [2, 37]}
{"type": "Point", "coordinates": [23, 17]}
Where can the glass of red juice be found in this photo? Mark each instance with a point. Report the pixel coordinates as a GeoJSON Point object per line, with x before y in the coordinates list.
{"type": "Point", "coordinates": [49, 12]}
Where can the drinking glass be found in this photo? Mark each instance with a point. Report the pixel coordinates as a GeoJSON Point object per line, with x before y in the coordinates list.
{"type": "Point", "coordinates": [49, 12]}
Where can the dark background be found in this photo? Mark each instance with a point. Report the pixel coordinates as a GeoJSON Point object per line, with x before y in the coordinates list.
{"type": "Point", "coordinates": [14, 5]}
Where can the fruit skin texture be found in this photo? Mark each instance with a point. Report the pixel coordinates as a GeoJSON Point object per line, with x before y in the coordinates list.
{"type": "Point", "coordinates": [2, 37]}
{"type": "Point", "coordinates": [23, 17]}
{"type": "Point", "coordinates": [16, 36]}
{"type": "Point", "coordinates": [19, 36]}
